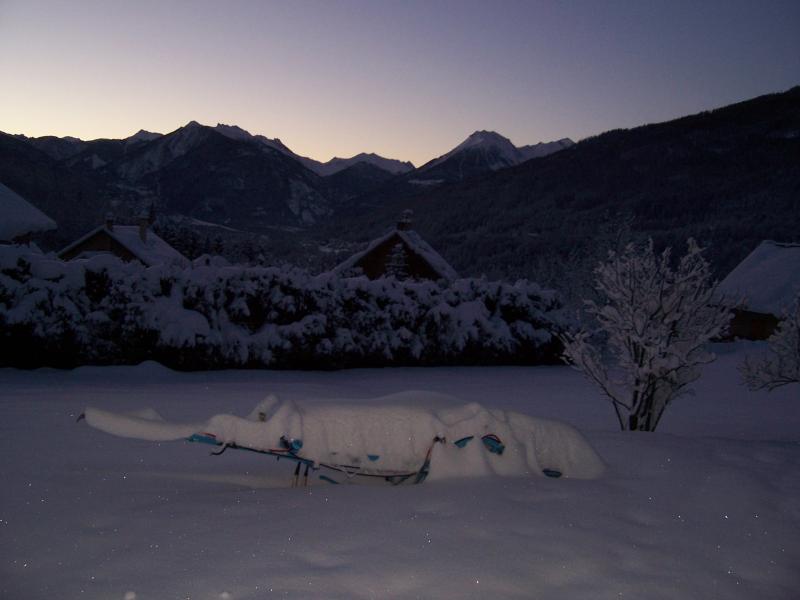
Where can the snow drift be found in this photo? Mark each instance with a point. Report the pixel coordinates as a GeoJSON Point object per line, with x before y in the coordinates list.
{"type": "Point", "coordinates": [393, 433]}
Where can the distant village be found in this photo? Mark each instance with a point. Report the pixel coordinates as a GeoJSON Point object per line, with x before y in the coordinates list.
{"type": "Point", "coordinates": [759, 288]}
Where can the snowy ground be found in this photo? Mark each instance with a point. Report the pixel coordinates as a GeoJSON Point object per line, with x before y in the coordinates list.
{"type": "Point", "coordinates": [709, 507]}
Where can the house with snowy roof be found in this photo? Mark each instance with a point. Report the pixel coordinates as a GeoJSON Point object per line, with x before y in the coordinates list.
{"type": "Point", "coordinates": [761, 288]}
{"type": "Point", "coordinates": [401, 253]}
{"type": "Point", "coordinates": [128, 242]}
{"type": "Point", "coordinates": [19, 219]}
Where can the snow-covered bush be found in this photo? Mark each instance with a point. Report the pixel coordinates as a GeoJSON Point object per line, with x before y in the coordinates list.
{"type": "Point", "coordinates": [781, 365]}
{"type": "Point", "coordinates": [102, 310]}
{"type": "Point", "coordinates": [654, 321]}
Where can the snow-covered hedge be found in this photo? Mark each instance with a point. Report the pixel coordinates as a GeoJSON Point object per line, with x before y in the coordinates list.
{"type": "Point", "coordinates": [102, 311]}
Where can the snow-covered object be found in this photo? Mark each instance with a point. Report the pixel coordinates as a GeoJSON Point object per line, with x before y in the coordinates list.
{"type": "Point", "coordinates": [414, 243]}
{"type": "Point", "coordinates": [767, 281]}
{"type": "Point", "coordinates": [387, 434]}
{"type": "Point", "coordinates": [153, 250]}
{"type": "Point", "coordinates": [19, 217]}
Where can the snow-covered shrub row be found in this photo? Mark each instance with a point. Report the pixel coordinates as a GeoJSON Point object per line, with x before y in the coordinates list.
{"type": "Point", "coordinates": [102, 310]}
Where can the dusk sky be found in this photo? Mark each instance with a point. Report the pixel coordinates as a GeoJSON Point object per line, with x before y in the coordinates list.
{"type": "Point", "coordinates": [407, 80]}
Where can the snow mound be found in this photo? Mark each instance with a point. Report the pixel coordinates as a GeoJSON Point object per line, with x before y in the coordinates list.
{"type": "Point", "coordinates": [390, 433]}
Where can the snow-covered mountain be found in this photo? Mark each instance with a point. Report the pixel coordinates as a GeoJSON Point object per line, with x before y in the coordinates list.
{"type": "Point", "coordinates": [393, 166]}
{"type": "Point", "coordinates": [59, 148]}
{"type": "Point", "coordinates": [163, 150]}
{"type": "Point", "coordinates": [334, 165]}
{"type": "Point", "coordinates": [499, 151]}
{"type": "Point", "coordinates": [225, 174]}
{"type": "Point", "coordinates": [544, 148]}
{"type": "Point", "coordinates": [481, 152]}
{"type": "Point", "coordinates": [143, 136]}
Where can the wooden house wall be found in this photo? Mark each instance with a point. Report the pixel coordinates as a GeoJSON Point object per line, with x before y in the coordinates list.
{"type": "Point", "coordinates": [374, 262]}
{"type": "Point", "coordinates": [750, 325]}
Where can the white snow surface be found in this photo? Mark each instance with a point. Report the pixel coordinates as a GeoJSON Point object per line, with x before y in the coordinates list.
{"type": "Point", "coordinates": [397, 429]}
{"type": "Point", "coordinates": [707, 507]}
{"type": "Point", "coordinates": [19, 217]}
{"type": "Point", "coordinates": [767, 280]}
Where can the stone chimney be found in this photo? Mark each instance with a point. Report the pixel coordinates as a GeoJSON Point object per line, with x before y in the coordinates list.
{"type": "Point", "coordinates": [143, 224]}
{"type": "Point", "coordinates": [404, 224]}
{"type": "Point", "coordinates": [110, 221]}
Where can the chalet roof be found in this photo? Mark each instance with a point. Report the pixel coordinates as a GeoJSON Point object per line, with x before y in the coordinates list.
{"type": "Point", "coordinates": [768, 279]}
{"type": "Point", "coordinates": [19, 217]}
{"type": "Point", "coordinates": [415, 243]}
{"type": "Point", "coordinates": [154, 251]}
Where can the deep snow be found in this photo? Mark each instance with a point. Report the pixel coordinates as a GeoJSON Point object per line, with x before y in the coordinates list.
{"type": "Point", "coordinates": [708, 507]}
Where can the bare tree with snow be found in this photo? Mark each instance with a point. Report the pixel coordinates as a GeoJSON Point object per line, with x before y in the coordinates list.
{"type": "Point", "coordinates": [654, 322]}
{"type": "Point", "coordinates": [781, 365]}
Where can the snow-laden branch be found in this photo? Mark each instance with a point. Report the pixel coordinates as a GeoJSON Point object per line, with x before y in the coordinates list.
{"type": "Point", "coordinates": [655, 321]}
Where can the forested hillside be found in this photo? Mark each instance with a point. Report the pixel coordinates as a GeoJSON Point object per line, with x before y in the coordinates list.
{"type": "Point", "coordinates": [729, 177]}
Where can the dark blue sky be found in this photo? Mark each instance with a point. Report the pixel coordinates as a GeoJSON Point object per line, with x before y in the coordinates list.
{"type": "Point", "coordinates": [408, 80]}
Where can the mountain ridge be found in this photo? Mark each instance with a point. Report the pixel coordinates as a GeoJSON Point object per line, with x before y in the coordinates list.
{"type": "Point", "coordinates": [727, 177]}
{"type": "Point", "coordinates": [481, 152]}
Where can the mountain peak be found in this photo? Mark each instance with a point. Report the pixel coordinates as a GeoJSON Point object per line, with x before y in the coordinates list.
{"type": "Point", "coordinates": [486, 136]}
{"type": "Point", "coordinates": [485, 151]}
{"type": "Point", "coordinates": [232, 131]}
{"type": "Point", "coordinates": [503, 152]}
{"type": "Point", "coordinates": [337, 164]}
{"type": "Point", "coordinates": [143, 136]}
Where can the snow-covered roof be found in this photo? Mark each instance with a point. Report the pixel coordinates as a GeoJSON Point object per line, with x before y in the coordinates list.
{"type": "Point", "coordinates": [19, 217]}
{"type": "Point", "coordinates": [415, 243]}
{"type": "Point", "coordinates": [153, 251]}
{"type": "Point", "coordinates": [768, 280]}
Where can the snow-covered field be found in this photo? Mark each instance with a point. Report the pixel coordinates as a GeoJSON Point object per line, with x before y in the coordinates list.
{"type": "Point", "coordinates": [708, 507]}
